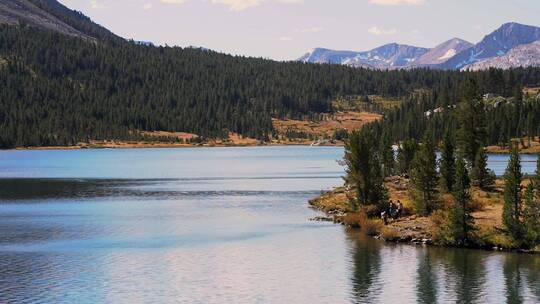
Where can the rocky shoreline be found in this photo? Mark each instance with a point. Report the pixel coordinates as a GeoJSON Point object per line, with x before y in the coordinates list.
{"type": "Point", "coordinates": [411, 229]}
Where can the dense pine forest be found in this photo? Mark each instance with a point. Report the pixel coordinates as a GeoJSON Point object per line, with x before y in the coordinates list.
{"type": "Point", "coordinates": [60, 90]}
{"type": "Point", "coordinates": [503, 116]}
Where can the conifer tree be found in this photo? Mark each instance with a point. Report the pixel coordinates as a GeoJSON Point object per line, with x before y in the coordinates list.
{"type": "Point", "coordinates": [424, 177]}
{"type": "Point", "coordinates": [471, 133]}
{"type": "Point", "coordinates": [363, 170]}
{"type": "Point", "coordinates": [512, 208]}
{"type": "Point", "coordinates": [518, 109]}
{"type": "Point", "coordinates": [378, 194]}
{"type": "Point", "coordinates": [461, 222]}
{"type": "Point", "coordinates": [448, 163]}
{"type": "Point", "coordinates": [531, 218]}
{"type": "Point", "coordinates": [387, 156]}
{"type": "Point", "coordinates": [405, 156]}
{"type": "Point", "coordinates": [480, 174]}
{"type": "Point", "coordinates": [356, 159]}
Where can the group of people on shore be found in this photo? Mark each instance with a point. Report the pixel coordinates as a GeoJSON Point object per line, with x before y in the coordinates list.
{"type": "Point", "coordinates": [394, 211]}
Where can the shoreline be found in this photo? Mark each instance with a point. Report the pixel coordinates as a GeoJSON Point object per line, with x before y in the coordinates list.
{"type": "Point", "coordinates": [152, 145]}
{"type": "Point", "coordinates": [413, 229]}
{"type": "Point", "coordinates": [126, 144]}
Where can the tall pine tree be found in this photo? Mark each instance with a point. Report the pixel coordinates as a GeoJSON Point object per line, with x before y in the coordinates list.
{"type": "Point", "coordinates": [482, 176]}
{"type": "Point", "coordinates": [363, 170]}
{"type": "Point", "coordinates": [512, 196]}
{"type": "Point", "coordinates": [448, 163]}
{"type": "Point", "coordinates": [387, 155]}
{"type": "Point", "coordinates": [424, 177]}
{"type": "Point", "coordinates": [471, 134]}
{"type": "Point", "coordinates": [531, 218]}
{"type": "Point", "coordinates": [461, 222]}
{"type": "Point", "coordinates": [405, 156]}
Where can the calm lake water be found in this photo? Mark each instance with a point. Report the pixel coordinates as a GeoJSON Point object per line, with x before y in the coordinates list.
{"type": "Point", "coordinates": [217, 225]}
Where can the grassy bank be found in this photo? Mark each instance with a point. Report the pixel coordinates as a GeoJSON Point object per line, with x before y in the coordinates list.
{"type": "Point", "coordinates": [525, 145]}
{"type": "Point", "coordinates": [487, 206]}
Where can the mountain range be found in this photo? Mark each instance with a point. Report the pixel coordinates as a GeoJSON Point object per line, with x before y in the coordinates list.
{"type": "Point", "coordinates": [512, 45]}
{"type": "Point", "coordinates": [511, 39]}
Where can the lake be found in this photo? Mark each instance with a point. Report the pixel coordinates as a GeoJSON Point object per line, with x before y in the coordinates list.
{"type": "Point", "coordinates": [217, 225]}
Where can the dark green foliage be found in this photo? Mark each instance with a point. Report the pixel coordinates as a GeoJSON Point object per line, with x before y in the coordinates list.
{"type": "Point", "coordinates": [405, 156]}
{"type": "Point", "coordinates": [59, 90]}
{"type": "Point", "coordinates": [531, 218]}
{"type": "Point", "coordinates": [436, 110]}
{"type": "Point", "coordinates": [424, 177]}
{"type": "Point", "coordinates": [447, 166]}
{"type": "Point", "coordinates": [387, 156]}
{"type": "Point", "coordinates": [471, 133]}
{"type": "Point", "coordinates": [512, 197]}
{"type": "Point", "coordinates": [460, 227]}
{"type": "Point", "coordinates": [481, 175]}
{"type": "Point", "coordinates": [341, 134]}
{"type": "Point", "coordinates": [363, 170]}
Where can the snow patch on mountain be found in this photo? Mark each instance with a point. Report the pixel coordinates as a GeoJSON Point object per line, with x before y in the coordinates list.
{"type": "Point", "coordinates": [449, 54]}
{"type": "Point", "coordinates": [527, 55]}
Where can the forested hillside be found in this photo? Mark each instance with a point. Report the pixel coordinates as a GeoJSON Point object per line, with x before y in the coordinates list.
{"type": "Point", "coordinates": [505, 115]}
{"type": "Point", "coordinates": [60, 90]}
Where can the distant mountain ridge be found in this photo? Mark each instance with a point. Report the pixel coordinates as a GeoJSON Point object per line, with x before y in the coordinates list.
{"type": "Point", "coordinates": [498, 43]}
{"type": "Point", "coordinates": [443, 52]}
{"type": "Point", "coordinates": [25, 12]}
{"type": "Point", "coordinates": [453, 54]}
{"type": "Point", "coordinates": [51, 15]}
{"type": "Point", "coordinates": [388, 56]}
{"type": "Point", "coordinates": [521, 56]}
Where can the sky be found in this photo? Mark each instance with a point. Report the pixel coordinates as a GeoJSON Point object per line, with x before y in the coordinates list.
{"type": "Point", "coordinates": [287, 29]}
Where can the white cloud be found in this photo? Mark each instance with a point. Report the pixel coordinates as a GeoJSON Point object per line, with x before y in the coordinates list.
{"type": "Point", "coordinates": [375, 30]}
{"type": "Point", "coordinates": [173, 1]}
{"type": "Point", "coordinates": [285, 38]}
{"type": "Point", "coordinates": [289, 1]}
{"type": "Point", "coordinates": [96, 5]}
{"type": "Point", "coordinates": [315, 29]}
{"type": "Point", "coordinates": [397, 2]}
{"type": "Point", "coordinates": [147, 6]}
{"type": "Point", "coordinates": [238, 5]}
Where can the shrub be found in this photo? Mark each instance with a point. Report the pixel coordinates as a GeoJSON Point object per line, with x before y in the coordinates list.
{"type": "Point", "coordinates": [389, 234]}
{"type": "Point", "coordinates": [362, 221]}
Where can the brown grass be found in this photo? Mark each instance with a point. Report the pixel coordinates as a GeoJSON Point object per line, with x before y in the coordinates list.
{"type": "Point", "coordinates": [361, 220]}
{"type": "Point", "coordinates": [178, 135]}
{"type": "Point", "coordinates": [532, 91]}
{"type": "Point", "coordinates": [524, 146]}
{"type": "Point", "coordinates": [331, 122]}
{"type": "Point", "coordinates": [333, 201]}
{"type": "Point", "coordinates": [389, 233]}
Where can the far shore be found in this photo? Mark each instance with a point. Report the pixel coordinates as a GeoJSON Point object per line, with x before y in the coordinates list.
{"type": "Point", "coordinates": [166, 145]}
{"type": "Point", "coordinates": [119, 144]}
